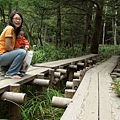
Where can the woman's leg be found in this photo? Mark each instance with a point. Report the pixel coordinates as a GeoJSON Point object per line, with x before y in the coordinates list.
{"type": "Point", "coordinates": [14, 59]}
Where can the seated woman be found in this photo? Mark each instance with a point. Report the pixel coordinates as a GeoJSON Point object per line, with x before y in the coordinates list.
{"type": "Point", "coordinates": [11, 60]}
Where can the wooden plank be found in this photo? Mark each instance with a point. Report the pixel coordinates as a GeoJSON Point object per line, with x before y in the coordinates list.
{"type": "Point", "coordinates": [85, 100]}
{"type": "Point", "coordinates": [38, 70]}
{"type": "Point", "coordinates": [106, 111]}
{"type": "Point", "coordinates": [1, 77]}
{"type": "Point", "coordinates": [4, 83]}
{"type": "Point", "coordinates": [85, 105]}
{"type": "Point", "coordinates": [64, 62]}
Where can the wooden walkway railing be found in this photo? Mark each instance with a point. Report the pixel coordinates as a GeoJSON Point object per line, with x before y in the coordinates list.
{"type": "Point", "coordinates": [93, 99]}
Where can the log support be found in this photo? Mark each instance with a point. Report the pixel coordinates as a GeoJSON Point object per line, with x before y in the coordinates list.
{"type": "Point", "coordinates": [19, 98]}
{"type": "Point", "coordinates": [63, 71]}
{"type": "Point", "coordinates": [14, 98]}
{"type": "Point", "coordinates": [41, 82]}
{"type": "Point", "coordinates": [59, 79]}
{"type": "Point", "coordinates": [79, 74]}
{"type": "Point", "coordinates": [69, 84]}
{"type": "Point", "coordinates": [60, 102]}
{"type": "Point", "coordinates": [71, 70]}
{"type": "Point", "coordinates": [69, 93]}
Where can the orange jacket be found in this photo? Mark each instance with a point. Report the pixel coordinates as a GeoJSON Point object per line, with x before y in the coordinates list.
{"type": "Point", "coordinates": [21, 42]}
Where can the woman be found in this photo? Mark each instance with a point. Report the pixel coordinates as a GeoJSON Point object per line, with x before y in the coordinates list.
{"type": "Point", "coordinates": [11, 60]}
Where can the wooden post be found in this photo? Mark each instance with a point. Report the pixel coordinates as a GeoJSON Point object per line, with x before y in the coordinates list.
{"type": "Point", "coordinates": [14, 109]}
{"type": "Point", "coordinates": [39, 89]}
{"type": "Point", "coordinates": [85, 63]}
{"type": "Point", "coordinates": [41, 76]}
{"type": "Point", "coordinates": [76, 83]}
{"type": "Point", "coordinates": [94, 60]}
{"type": "Point", "coordinates": [69, 93]}
{"type": "Point", "coordinates": [82, 73]}
{"type": "Point", "coordinates": [80, 65]}
{"type": "Point", "coordinates": [60, 102]}
{"type": "Point", "coordinates": [51, 77]}
{"type": "Point", "coordinates": [71, 70]}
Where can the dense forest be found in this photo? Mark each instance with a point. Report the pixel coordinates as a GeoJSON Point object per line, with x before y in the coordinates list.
{"type": "Point", "coordinates": [60, 29]}
{"type": "Point", "coordinates": [65, 22]}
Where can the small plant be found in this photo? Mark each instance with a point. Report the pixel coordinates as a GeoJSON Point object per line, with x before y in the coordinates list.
{"type": "Point", "coordinates": [40, 107]}
{"type": "Point", "coordinates": [116, 85]}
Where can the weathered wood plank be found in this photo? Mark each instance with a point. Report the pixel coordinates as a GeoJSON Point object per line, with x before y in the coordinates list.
{"type": "Point", "coordinates": [4, 83]}
{"type": "Point", "coordinates": [85, 105]}
{"type": "Point", "coordinates": [85, 100]}
{"type": "Point", "coordinates": [106, 111]}
{"type": "Point", "coordinates": [64, 62]}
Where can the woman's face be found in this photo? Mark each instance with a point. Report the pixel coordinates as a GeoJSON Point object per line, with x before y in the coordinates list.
{"type": "Point", "coordinates": [16, 20]}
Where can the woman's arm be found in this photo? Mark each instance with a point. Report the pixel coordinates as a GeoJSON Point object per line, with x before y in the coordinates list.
{"type": "Point", "coordinates": [8, 43]}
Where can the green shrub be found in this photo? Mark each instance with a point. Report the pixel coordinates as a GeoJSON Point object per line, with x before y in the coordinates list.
{"type": "Point", "coordinates": [116, 85]}
{"type": "Point", "coordinates": [40, 108]}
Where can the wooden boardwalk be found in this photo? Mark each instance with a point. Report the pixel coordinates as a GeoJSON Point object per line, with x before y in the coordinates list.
{"type": "Point", "coordinates": [94, 99]}
{"type": "Point", "coordinates": [34, 71]}
{"type": "Point", "coordinates": [65, 62]}
{"type": "Point", "coordinates": [31, 75]}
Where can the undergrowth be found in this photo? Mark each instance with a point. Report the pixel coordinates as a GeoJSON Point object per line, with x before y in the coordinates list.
{"type": "Point", "coordinates": [50, 52]}
{"type": "Point", "coordinates": [116, 85]}
{"type": "Point", "coordinates": [39, 107]}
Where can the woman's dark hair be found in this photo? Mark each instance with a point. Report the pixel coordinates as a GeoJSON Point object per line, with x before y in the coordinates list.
{"type": "Point", "coordinates": [11, 23]}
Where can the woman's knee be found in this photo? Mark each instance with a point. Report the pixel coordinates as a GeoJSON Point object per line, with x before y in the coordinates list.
{"type": "Point", "coordinates": [22, 52]}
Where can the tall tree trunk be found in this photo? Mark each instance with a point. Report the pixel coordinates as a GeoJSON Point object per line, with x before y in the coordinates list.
{"type": "Point", "coordinates": [40, 29]}
{"type": "Point", "coordinates": [87, 26]}
{"type": "Point", "coordinates": [9, 8]}
{"type": "Point", "coordinates": [45, 32]}
{"type": "Point", "coordinates": [97, 28]}
{"type": "Point", "coordinates": [115, 25]}
{"type": "Point", "coordinates": [71, 38]}
{"type": "Point", "coordinates": [58, 32]}
{"type": "Point", "coordinates": [104, 27]}
{"type": "Point", "coordinates": [103, 39]}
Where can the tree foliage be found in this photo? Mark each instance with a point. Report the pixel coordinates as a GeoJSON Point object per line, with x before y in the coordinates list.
{"type": "Point", "coordinates": [65, 23]}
